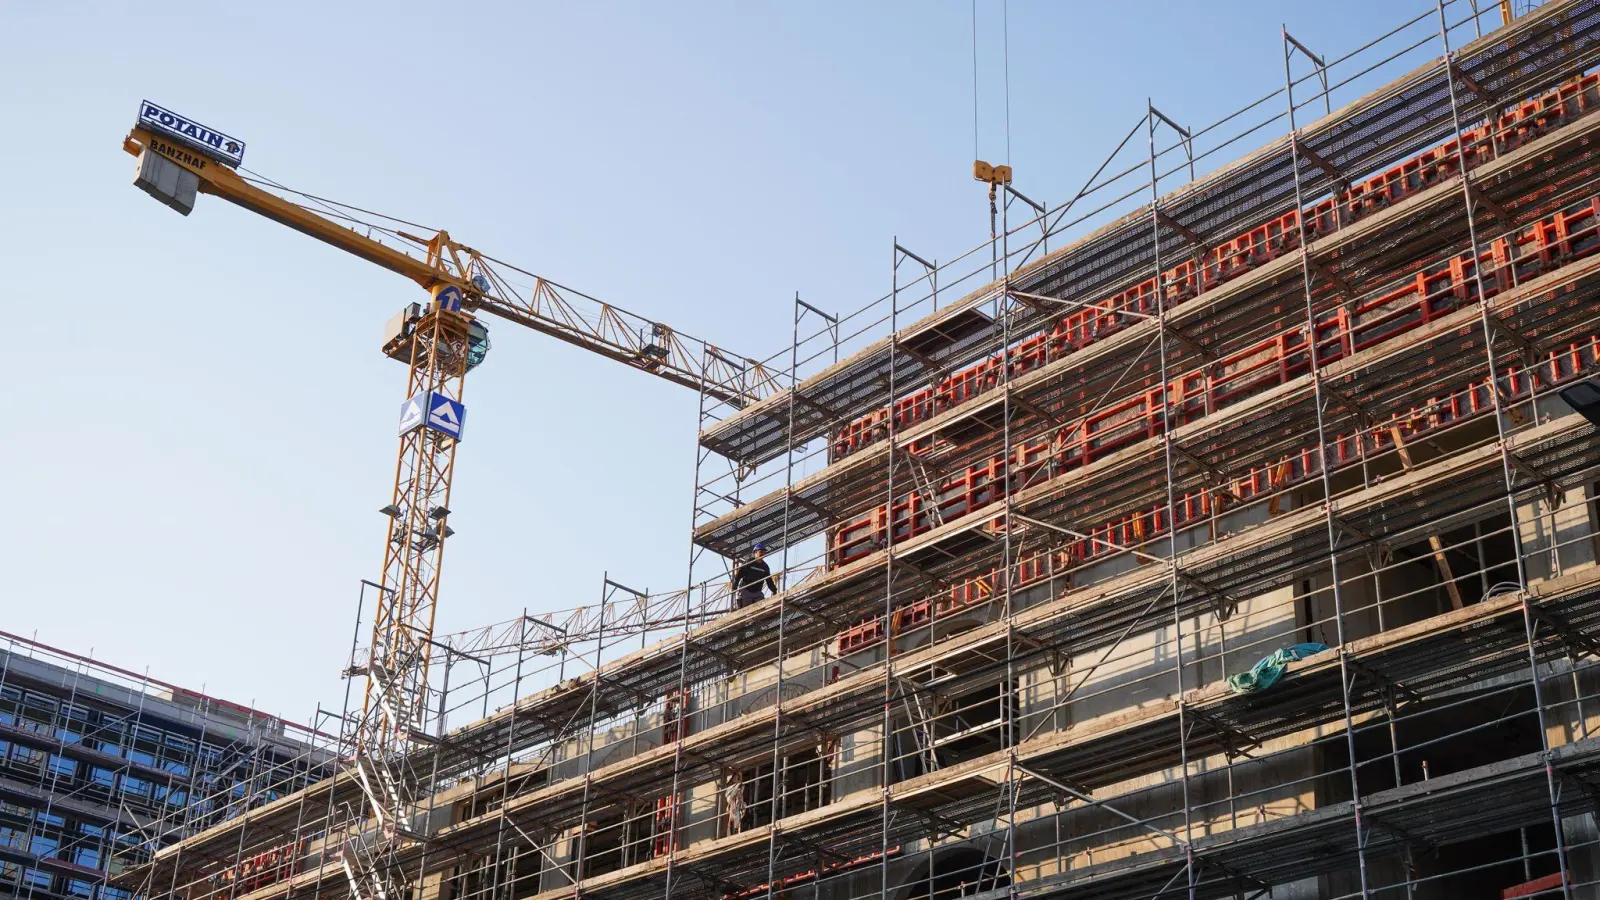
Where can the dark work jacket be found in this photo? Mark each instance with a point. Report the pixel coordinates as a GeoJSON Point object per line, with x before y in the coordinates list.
{"type": "Point", "coordinates": [749, 577]}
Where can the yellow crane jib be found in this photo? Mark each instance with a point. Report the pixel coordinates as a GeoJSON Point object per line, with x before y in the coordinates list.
{"type": "Point", "coordinates": [179, 159]}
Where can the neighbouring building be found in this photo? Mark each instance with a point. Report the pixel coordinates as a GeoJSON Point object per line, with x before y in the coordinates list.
{"type": "Point", "coordinates": [96, 759]}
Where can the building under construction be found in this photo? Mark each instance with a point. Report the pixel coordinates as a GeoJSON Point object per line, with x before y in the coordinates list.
{"type": "Point", "coordinates": [1241, 546]}
{"type": "Point", "coordinates": [97, 763]}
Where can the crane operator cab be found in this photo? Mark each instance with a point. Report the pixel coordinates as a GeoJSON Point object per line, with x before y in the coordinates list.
{"type": "Point", "coordinates": [398, 332]}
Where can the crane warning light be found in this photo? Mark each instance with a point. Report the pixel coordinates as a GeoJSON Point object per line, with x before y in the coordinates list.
{"type": "Point", "coordinates": [212, 143]}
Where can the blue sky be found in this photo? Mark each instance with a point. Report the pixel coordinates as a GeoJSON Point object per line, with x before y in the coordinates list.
{"type": "Point", "coordinates": [199, 423]}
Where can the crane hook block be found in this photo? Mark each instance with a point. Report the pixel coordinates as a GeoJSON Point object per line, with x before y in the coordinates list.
{"type": "Point", "coordinates": [982, 171]}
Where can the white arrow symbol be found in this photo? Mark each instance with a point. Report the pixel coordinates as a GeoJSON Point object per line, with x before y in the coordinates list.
{"type": "Point", "coordinates": [412, 414]}
{"type": "Point", "coordinates": [444, 415]}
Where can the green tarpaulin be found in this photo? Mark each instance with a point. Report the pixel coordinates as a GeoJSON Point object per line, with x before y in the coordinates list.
{"type": "Point", "coordinates": [1266, 673]}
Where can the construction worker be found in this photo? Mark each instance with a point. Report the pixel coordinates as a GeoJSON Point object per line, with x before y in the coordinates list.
{"type": "Point", "coordinates": [748, 578]}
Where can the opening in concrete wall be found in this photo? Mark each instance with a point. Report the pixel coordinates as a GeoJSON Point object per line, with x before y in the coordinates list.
{"type": "Point", "coordinates": [937, 729]}
{"type": "Point", "coordinates": [611, 841]}
{"type": "Point", "coordinates": [950, 873]}
{"type": "Point", "coordinates": [1431, 738]}
{"type": "Point", "coordinates": [489, 799]}
{"type": "Point", "coordinates": [1388, 584]}
{"type": "Point", "coordinates": [804, 784]}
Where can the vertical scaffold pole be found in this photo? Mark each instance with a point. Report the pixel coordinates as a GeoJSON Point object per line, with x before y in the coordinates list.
{"type": "Point", "coordinates": [887, 776]}
{"type": "Point", "coordinates": [682, 709]}
{"type": "Point", "coordinates": [594, 721]}
{"type": "Point", "coordinates": [775, 841]}
{"type": "Point", "coordinates": [1289, 45]}
{"type": "Point", "coordinates": [1486, 321]}
{"type": "Point", "coordinates": [1010, 690]}
{"type": "Point", "coordinates": [1151, 116]}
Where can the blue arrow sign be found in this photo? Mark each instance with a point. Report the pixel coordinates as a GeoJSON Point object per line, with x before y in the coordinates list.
{"type": "Point", "coordinates": [446, 416]}
{"type": "Point", "coordinates": [435, 411]}
{"type": "Point", "coordinates": [448, 297]}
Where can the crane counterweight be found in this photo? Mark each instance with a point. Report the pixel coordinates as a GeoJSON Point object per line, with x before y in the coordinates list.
{"type": "Point", "coordinates": [167, 181]}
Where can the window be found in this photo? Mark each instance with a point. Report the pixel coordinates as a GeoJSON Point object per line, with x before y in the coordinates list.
{"type": "Point", "coordinates": [953, 731]}
{"type": "Point", "coordinates": [49, 818]}
{"type": "Point", "coordinates": [110, 734]}
{"type": "Point", "coordinates": [114, 893]}
{"type": "Point", "coordinates": [79, 888]}
{"type": "Point", "coordinates": [36, 878]}
{"type": "Point", "coordinates": [26, 756]}
{"type": "Point", "coordinates": [103, 777]}
{"type": "Point", "coordinates": [92, 829]}
{"type": "Point", "coordinates": [63, 767]}
{"type": "Point", "coordinates": [806, 781]}
{"type": "Point", "coordinates": [88, 857]}
{"type": "Point", "coordinates": [142, 758]}
{"type": "Point", "coordinates": [38, 714]}
{"type": "Point", "coordinates": [612, 842]}
{"type": "Point", "coordinates": [177, 768]}
{"type": "Point", "coordinates": [39, 705]}
{"type": "Point", "coordinates": [44, 846]}
{"type": "Point", "coordinates": [138, 787]}
{"type": "Point", "coordinates": [752, 806]}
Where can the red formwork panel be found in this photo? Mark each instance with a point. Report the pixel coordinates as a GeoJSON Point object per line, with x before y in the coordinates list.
{"type": "Point", "coordinates": [674, 726]}
{"type": "Point", "coordinates": [266, 867]}
{"type": "Point", "coordinates": [1537, 886]}
{"type": "Point", "coordinates": [1239, 255]}
{"type": "Point", "coordinates": [1577, 358]}
{"type": "Point", "coordinates": [1411, 303]}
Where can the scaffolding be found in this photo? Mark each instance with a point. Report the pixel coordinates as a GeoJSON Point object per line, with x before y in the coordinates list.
{"type": "Point", "coordinates": [1320, 406]}
{"type": "Point", "coordinates": [97, 760]}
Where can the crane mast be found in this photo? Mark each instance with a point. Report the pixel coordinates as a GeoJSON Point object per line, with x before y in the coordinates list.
{"type": "Point", "coordinates": [439, 348]}
{"type": "Point", "coordinates": [439, 342]}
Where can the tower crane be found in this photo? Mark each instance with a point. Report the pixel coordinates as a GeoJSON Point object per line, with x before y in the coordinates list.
{"type": "Point", "coordinates": [439, 341]}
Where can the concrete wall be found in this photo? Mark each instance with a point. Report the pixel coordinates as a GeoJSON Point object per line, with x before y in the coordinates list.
{"type": "Point", "coordinates": [1379, 590]}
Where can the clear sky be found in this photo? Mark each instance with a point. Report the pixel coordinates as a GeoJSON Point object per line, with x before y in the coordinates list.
{"type": "Point", "coordinates": [199, 425]}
